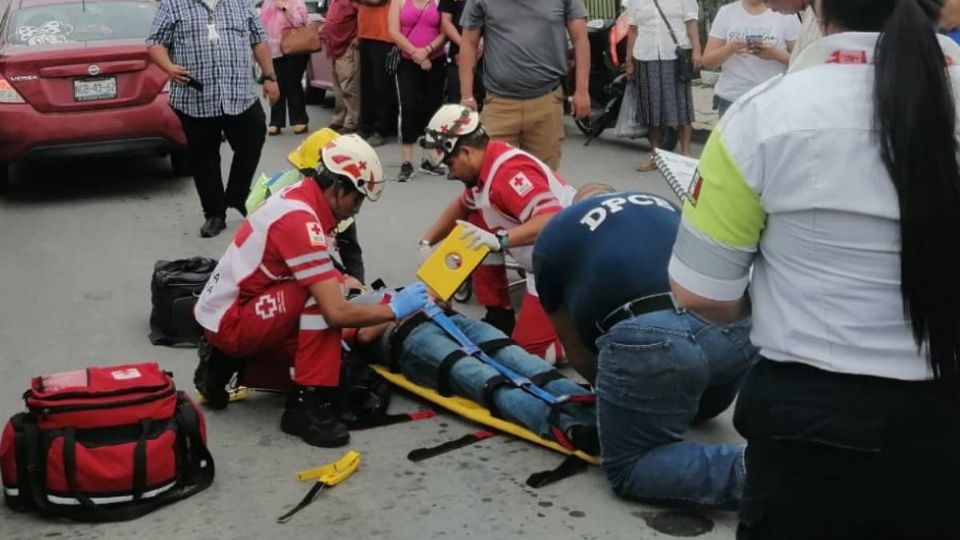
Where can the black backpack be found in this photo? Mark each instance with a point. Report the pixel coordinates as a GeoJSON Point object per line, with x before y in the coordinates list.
{"type": "Point", "coordinates": [174, 289]}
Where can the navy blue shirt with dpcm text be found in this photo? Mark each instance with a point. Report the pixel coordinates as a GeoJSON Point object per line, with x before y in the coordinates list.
{"type": "Point", "coordinates": [602, 253]}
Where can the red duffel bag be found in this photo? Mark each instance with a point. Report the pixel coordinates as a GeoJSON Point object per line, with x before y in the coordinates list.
{"type": "Point", "coordinates": [104, 444]}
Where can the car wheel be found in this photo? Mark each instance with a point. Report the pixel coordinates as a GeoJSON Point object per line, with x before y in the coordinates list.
{"type": "Point", "coordinates": [180, 163]}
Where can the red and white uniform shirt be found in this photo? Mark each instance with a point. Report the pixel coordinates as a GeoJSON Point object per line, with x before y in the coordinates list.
{"type": "Point", "coordinates": [514, 187]}
{"type": "Point", "coordinates": [290, 238]}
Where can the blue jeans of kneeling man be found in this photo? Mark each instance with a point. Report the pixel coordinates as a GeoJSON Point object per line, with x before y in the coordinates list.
{"type": "Point", "coordinates": [427, 345]}
{"type": "Point", "coordinates": [659, 373]}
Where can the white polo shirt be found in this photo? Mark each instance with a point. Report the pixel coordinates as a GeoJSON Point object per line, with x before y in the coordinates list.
{"type": "Point", "coordinates": [653, 37]}
{"type": "Point", "coordinates": [793, 183]}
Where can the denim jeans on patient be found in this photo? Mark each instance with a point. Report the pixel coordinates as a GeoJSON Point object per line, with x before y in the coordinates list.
{"type": "Point", "coordinates": [659, 373]}
{"type": "Point", "coordinates": [427, 345]}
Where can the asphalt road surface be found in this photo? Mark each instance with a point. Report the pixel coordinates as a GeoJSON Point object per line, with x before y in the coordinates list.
{"type": "Point", "coordinates": [78, 241]}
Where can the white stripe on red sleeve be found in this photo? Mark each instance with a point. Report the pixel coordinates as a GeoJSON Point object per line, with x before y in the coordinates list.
{"type": "Point", "coordinates": [539, 203]}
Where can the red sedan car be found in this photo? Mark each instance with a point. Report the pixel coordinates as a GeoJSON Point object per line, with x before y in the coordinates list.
{"type": "Point", "coordinates": [76, 80]}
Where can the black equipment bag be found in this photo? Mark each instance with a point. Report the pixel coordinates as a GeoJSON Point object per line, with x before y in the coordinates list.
{"type": "Point", "coordinates": [174, 289]}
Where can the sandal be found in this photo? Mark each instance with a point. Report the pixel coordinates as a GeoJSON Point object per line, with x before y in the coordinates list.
{"type": "Point", "coordinates": [273, 130]}
{"type": "Point", "coordinates": [646, 166]}
{"type": "Point", "coordinates": [299, 129]}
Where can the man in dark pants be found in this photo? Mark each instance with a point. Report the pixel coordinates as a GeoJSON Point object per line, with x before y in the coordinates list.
{"type": "Point", "coordinates": [378, 94]}
{"type": "Point", "coordinates": [205, 48]}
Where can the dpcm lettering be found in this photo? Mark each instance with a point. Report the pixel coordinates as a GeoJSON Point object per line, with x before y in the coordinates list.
{"type": "Point", "coordinates": [596, 216]}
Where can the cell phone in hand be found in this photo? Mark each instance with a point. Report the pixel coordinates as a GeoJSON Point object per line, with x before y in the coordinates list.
{"type": "Point", "coordinates": [754, 43]}
{"type": "Point", "coordinates": [195, 84]}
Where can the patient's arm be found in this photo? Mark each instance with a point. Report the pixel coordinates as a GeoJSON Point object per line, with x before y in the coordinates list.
{"type": "Point", "coordinates": [581, 358]}
{"type": "Point", "coordinates": [370, 334]}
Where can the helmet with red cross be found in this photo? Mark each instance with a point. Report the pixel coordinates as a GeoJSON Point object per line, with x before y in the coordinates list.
{"type": "Point", "coordinates": [449, 124]}
{"type": "Point", "coordinates": [351, 157]}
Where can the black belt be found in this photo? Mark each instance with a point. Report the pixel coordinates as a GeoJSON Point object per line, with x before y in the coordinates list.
{"type": "Point", "coordinates": [635, 308]}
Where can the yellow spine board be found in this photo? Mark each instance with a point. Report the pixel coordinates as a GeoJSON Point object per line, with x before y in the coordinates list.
{"type": "Point", "coordinates": [450, 264]}
{"type": "Point", "coordinates": [477, 413]}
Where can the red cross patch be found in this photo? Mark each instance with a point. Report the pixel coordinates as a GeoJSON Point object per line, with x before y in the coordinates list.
{"type": "Point", "coordinates": [315, 233]}
{"type": "Point", "coordinates": [521, 184]}
{"type": "Point", "coordinates": [848, 57]}
{"type": "Point", "coordinates": [266, 307]}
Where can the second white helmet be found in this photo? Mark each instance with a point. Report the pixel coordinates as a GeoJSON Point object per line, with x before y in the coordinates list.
{"type": "Point", "coordinates": [448, 125]}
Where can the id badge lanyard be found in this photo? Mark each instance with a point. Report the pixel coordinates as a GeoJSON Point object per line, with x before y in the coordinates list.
{"type": "Point", "coordinates": [212, 35]}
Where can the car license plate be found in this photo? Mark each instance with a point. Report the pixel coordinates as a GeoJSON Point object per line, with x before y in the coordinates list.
{"type": "Point", "coordinates": [94, 89]}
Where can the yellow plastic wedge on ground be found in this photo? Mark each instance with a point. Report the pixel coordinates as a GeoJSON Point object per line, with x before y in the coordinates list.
{"type": "Point", "coordinates": [332, 474]}
{"type": "Point", "coordinates": [477, 413]}
{"type": "Point", "coordinates": [450, 264]}
{"type": "Point", "coordinates": [237, 394]}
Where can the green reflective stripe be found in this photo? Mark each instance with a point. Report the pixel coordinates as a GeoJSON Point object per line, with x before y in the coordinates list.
{"type": "Point", "coordinates": [266, 186]}
{"type": "Point", "coordinates": [727, 210]}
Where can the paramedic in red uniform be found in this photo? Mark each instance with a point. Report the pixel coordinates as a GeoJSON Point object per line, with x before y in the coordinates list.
{"type": "Point", "coordinates": [510, 195]}
{"type": "Point", "coordinates": [276, 286]}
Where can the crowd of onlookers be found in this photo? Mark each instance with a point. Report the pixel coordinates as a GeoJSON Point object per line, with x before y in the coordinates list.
{"type": "Point", "coordinates": [401, 59]}
{"type": "Point", "coordinates": [396, 61]}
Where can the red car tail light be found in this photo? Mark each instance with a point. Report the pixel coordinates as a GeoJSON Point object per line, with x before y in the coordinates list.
{"type": "Point", "coordinates": [8, 94]}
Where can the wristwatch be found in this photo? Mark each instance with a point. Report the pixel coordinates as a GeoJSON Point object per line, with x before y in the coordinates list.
{"type": "Point", "coordinates": [504, 238]}
{"type": "Point", "coordinates": [263, 78]}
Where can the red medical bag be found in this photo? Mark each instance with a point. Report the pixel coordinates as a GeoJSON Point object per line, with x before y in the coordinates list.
{"type": "Point", "coordinates": [104, 444]}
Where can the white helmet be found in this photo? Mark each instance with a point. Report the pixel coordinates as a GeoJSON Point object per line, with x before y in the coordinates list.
{"type": "Point", "coordinates": [448, 124]}
{"type": "Point", "coordinates": [351, 156]}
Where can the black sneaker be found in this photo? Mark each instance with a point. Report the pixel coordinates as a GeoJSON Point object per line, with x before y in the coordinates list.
{"type": "Point", "coordinates": [501, 318]}
{"type": "Point", "coordinates": [214, 372]}
{"type": "Point", "coordinates": [435, 170]}
{"type": "Point", "coordinates": [310, 414]}
{"type": "Point", "coordinates": [406, 172]}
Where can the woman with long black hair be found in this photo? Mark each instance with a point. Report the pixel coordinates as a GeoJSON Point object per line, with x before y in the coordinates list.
{"type": "Point", "coordinates": [839, 184]}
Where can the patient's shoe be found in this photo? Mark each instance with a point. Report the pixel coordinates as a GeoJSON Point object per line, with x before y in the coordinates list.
{"type": "Point", "coordinates": [310, 414]}
{"type": "Point", "coordinates": [502, 319]}
{"type": "Point", "coordinates": [213, 374]}
{"type": "Point", "coordinates": [585, 438]}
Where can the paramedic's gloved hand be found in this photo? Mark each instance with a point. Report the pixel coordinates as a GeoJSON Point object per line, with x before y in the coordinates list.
{"type": "Point", "coordinates": [477, 237]}
{"type": "Point", "coordinates": [410, 300]}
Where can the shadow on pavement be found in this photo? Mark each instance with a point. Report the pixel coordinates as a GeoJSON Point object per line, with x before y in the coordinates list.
{"type": "Point", "coordinates": [94, 178]}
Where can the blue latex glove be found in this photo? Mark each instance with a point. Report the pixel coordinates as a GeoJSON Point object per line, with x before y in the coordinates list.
{"type": "Point", "coordinates": [410, 300]}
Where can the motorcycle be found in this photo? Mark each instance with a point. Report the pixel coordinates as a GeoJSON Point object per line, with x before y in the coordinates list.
{"type": "Point", "coordinates": [608, 80]}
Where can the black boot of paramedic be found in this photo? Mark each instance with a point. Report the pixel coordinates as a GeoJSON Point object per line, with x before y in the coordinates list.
{"type": "Point", "coordinates": [312, 415]}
